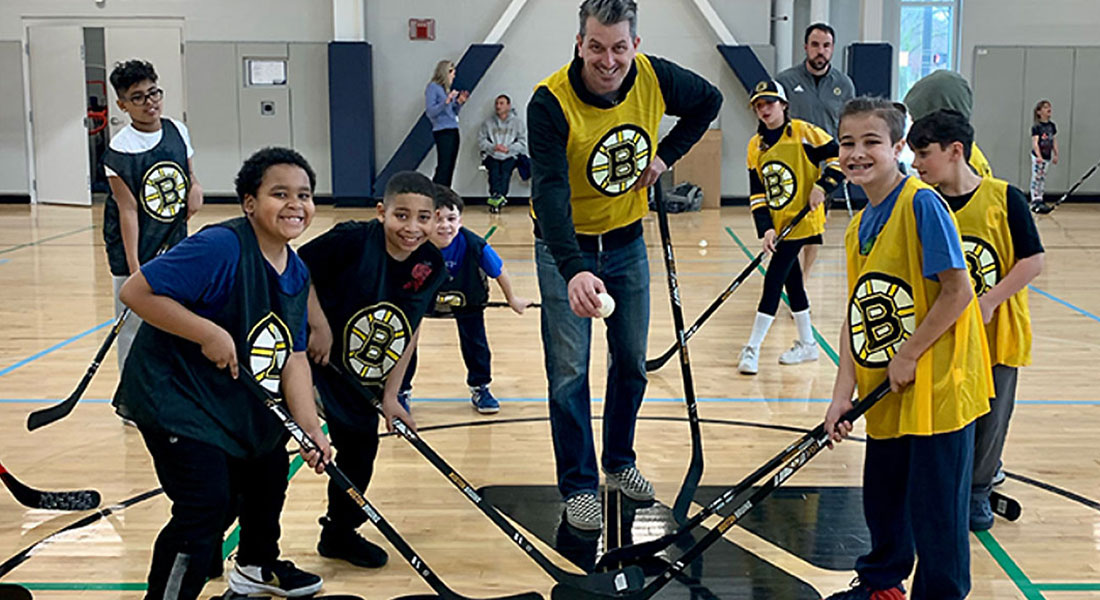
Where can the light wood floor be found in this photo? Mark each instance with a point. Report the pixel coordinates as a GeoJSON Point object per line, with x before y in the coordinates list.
{"type": "Point", "coordinates": [55, 289]}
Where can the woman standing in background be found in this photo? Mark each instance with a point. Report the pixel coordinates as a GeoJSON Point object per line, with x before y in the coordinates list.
{"type": "Point", "coordinates": [441, 104]}
{"type": "Point", "coordinates": [1044, 148]}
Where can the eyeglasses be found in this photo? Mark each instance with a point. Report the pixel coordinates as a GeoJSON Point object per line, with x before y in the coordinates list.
{"type": "Point", "coordinates": [154, 94]}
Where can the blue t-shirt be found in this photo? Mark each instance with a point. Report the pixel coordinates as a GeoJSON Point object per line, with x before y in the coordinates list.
{"type": "Point", "coordinates": [199, 273]}
{"type": "Point", "coordinates": [455, 253]}
{"type": "Point", "coordinates": [939, 239]}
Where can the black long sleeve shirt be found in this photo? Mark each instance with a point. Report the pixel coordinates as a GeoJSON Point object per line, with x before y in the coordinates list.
{"type": "Point", "coordinates": [686, 95]}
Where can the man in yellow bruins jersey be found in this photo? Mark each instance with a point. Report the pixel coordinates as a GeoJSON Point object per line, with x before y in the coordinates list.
{"type": "Point", "coordinates": [911, 318]}
{"type": "Point", "coordinates": [792, 163]}
{"type": "Point", "coordinates": [592, 127]}
{"type": "Point", "coordinates": [1003, 254]}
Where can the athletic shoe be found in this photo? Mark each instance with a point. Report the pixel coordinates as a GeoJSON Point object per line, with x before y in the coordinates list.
{"type": "Point", "coordinates": [584, 511]}
{"type": "Point", "coordinates": [999, 476]}
{"type": "Point", "coordinates": [859, 591]}
{"type": "Point", "coordinates": [483, 400]}
{"type": "Point", "coordinates": [631, 483]}
{"type": "Point", "coordinates": [346, 544]}
{"type": "Point", "coordinates": [496, 202]}
{"type": "Point", "coordinates": [280, 577]}
{"type": "Point", "coordinates": [800, 352]}
{"type": "Point", "coordinates": [1041, 208]}
{"type": "Point", "coordinates": [747, 363]}
{"type": "Point", "coordinates": [404, 398]}
{"type": "Point", "coordinates": [981, 513]}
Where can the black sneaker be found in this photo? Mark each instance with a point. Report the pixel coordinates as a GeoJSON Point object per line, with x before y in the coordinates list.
{"type": "Point", "coordinates": [281, 578]}
{"type": "Point", "coordinates": [347, 544]}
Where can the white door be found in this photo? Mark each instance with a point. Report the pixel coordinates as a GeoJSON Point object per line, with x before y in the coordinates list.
{"type": "Point", "coordinates": [56, 64]}
{"type": "Point", "coordinates": [158, 45]}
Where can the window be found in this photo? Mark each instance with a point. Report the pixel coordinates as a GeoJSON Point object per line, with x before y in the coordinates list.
{"type": "Point", "coordinates": [927, 40]}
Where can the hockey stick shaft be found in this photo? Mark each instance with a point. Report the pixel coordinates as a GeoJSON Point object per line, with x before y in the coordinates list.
{"type": "Point", "coordinates": [52, 414]}
{"type": "Point", "coordinates": [656, 363]}
{"type": "Point", "coordinates": [356, 495]}
{"type": "Point", "coordinates": [76, 500]}
{"type": "Point", "coordinates": [695, 467]}
{"type": "Point", "coordinates": [611, 582]}
{"type": "Point", "coordinates": [502, 304]}
{"type": "Point", "coordinates": [1078, 184]}
{"type": "Point", "coordinates": [745, 502]}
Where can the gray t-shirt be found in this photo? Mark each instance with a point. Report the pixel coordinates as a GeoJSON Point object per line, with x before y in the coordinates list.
{"type": "Point", "coordinates": [817, 101]}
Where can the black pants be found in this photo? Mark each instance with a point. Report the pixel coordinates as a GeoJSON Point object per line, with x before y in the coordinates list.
{"type": "Point", "coordinates": [475, 350]}
{"type": "Point", "coordinates": [354, 432]}
{"type": "Point", "coordinates": [500, 175]}
{"type": "Point", "coordinates": [205, 484]}
{"type": "Point", "coordinates": [785, 271]}
{"type": "Point", "coordinates": [446, 153]}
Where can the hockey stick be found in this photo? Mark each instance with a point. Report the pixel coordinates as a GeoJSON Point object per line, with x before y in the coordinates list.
{"type": "Point", "coordinates": [1044, 208]}
{"type": "Point", "coordinates": [629, 579]}
{"type": "Point", "coordinates": [656, 363]}
{"type": "Point", "coordinates": [32, 498]}
{"type": "Point", "coordinates": [744, 502]}
{"type": "Point", "coordinates": [10, 591]}
{"type": "Point", "coordinates": [52, 414]}
{"type": "Point", "coordinates": [1004, 506]}
{"type": "Point", "coordinates": [356, 495]}
{"type": "Point", "coordinates": [502, 304]}
{"type": "Point", "coordinates": [695, 467]}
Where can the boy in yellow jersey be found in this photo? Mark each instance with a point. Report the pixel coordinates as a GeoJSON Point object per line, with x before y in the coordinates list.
{"type": "Point", "coordinates": [1003, 254]}
{"type": "Point", "coordinates": [785, 174]}
{"type": "Point", "coordinates": [912, 318]}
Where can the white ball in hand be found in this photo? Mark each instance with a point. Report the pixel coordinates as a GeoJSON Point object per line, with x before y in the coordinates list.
{"type": "Point", "coordinates": [607, 304]}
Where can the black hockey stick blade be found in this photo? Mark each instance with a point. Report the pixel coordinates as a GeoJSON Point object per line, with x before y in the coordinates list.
{"type": "Point", "coordinates": [52, 414]}
{"type": "Point", "coordinates": [1004, 506]}
{"type": "Point", "coordinates": [653, 364]}
{"type": "Point", "coordinates": [613, 582]}
{"type": "Point", "coordinates": [10, 591]}
{"type": "Point", "coordinates": [76, 500]}
{"type": "Point", "coordinates": [356, 495]}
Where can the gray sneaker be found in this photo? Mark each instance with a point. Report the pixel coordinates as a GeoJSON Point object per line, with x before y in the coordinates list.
{"type": "Point", "coordinates": [584, 511]}
{"type": "Point", "coordinates": [631, 483]}
{"type": "Point", "coordinates": [747, 362]}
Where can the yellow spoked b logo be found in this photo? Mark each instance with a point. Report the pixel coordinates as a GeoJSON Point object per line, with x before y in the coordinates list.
{"type": "Point", "coordinates": [780, 184]}
{"type": "Point", "coordinates": [881, 316]}
{"type": "Point", "coordinates": [982, 262]}
{"type": "Point", "coordinates": [619, 159]}
{"type": "Point", "coordinates": [163, 191]}
{"type": "Point", "coordinates": [374, 339]}
{"type": "Point", "coordinates": [268, 348]}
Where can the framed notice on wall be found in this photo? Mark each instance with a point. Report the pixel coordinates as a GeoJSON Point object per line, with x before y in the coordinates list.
{"type": "Point", "coordinates": [266, 71]}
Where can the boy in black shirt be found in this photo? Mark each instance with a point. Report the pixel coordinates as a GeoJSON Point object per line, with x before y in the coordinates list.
{"type": "Point", "coordinates": [373, 281]}
{"type": "Point", "coordinates": [234, 293]}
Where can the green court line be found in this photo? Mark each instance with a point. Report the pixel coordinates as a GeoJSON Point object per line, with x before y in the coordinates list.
{"type": "Point", "coordinates": [81, 587]}
{"type": "Point", "coordinates": [1068, 587]}
{"type": "Point", "coordinates": [45, 239]}
{"type": "Point", "coordinates": [821, 341]}
{"type": "Point", "coordinates": [491, 231]}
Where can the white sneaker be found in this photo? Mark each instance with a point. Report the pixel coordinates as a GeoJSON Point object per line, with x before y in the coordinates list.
{"type": "Point", "coordinates": [631, 483]}
{"type": "Point", "coordinates": [747, 362]}
{"type": "Point", "coordinates": [800, 352]}
{"type": "Point", "coordinates": [584, 512]}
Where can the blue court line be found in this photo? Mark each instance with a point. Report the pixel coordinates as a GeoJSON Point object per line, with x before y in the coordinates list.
{"type": "Point", "coordinates": [1064, 303]}
{"type": "Point", "coordinates": [3, 261]}
{"type": "Point", "coordinates": [543, 400]}
{"type": "Point", "coordinates": [38, 355]}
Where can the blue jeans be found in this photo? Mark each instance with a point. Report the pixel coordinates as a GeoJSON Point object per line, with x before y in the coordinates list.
{"type": "Point", "coordinates": [916, 500]}
{"type": "Point", "coordinates": [567, 341]}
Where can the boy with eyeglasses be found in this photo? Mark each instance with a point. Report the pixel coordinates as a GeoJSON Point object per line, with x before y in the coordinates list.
{"type": "Point", "coordinates": [153, 185]}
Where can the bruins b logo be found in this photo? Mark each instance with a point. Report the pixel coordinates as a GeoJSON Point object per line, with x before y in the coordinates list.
{"type": "Point", "coordinates": [780, 184]}
{"type": "Point", "coordinates": [268, 349]}
{"type": "Point", "coordinates": [619, 159]}
{"type": "Point", "coordinates": [163, 191]}
{"type": "Point", "coordinates": [880, 317]}
{"type": "Point", "coordinates": [374, 339]}
{"type": "Point", "coordinates": [450, 300]}
{"type": "Point", "coordinates": [982, 262]}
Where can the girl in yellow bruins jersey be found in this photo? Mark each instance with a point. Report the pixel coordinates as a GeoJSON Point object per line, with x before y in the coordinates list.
{"type": "Point", "coordinates": [912, 318]}
{"type": "Point", "coordinates": [1003, 254]}
{"type": "Point", "coordinates": [785, 174]}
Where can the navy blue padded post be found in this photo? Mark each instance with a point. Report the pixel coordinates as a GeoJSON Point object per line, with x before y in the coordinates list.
{"type": "Point", "coordinates": [468, 72]}
{"type": "Point", "coordinates": [871, 68]}
{"type": "Point", "coordinates": [745, 64]}
{"type": "Point", "coordinates": [351, 121]}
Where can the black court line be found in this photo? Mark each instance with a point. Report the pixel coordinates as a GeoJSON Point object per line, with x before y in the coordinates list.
{"type": "Point", "coordinates": [45, 239]}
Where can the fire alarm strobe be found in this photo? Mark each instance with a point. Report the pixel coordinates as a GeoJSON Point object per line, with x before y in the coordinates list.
{"type": "Point", "coordinates": [422, 29]}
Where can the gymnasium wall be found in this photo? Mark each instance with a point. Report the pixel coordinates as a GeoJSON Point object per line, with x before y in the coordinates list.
{"type": "Point", "coordinates": [539, 41]}
{"type": "Point", "coordinates": [1027, 23]}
